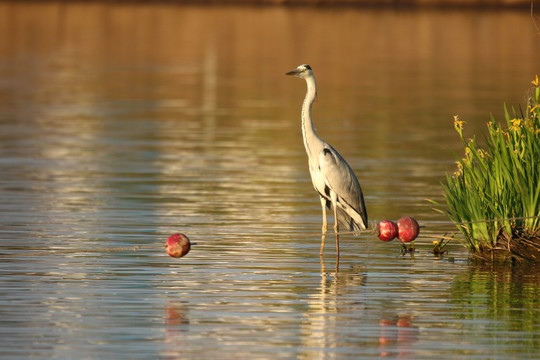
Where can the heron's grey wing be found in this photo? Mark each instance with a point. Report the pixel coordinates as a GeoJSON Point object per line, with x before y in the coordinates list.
{"type": "Point", "coordinates": [340, 178]}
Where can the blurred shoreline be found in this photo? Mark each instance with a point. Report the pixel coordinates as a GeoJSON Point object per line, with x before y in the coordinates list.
{"type": "Point", "coordinates": [443, 4]}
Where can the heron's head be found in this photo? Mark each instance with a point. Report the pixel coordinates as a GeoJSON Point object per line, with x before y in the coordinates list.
{"type": "Point", "coordinates": [301, 71]}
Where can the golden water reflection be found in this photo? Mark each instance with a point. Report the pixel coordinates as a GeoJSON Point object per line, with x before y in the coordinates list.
{"type": "Point", "coordinates": [121, 124]}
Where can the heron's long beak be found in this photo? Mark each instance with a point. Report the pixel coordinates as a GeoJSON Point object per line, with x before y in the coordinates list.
{"type": "Point", "coordinates": [292, 72]}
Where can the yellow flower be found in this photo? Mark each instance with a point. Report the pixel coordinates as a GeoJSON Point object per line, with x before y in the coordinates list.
{"type": "Point", "coordinates": [535, 81]}
{"type": "Point", "coordinates": [468, 156]}
{"type": "Point", "coordinates": [458, 123]}
{"type": "Point", "coordinates": [482, 153]}
{"type": "Point", "coordinates": [516, 122]}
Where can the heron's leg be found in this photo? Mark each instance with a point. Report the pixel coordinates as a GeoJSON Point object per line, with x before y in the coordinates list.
{"type": "Point", "coordinates": [336, 230]}
{"type": "Point", "coordinates": [324, 224]}
{"type": "Point", "coordinates": [336, 224]}
{"type": "Point", "coordinates": [322, 244]}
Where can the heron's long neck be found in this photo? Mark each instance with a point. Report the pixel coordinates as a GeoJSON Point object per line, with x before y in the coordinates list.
{"type": "Point", "coordinates": [308, 131]}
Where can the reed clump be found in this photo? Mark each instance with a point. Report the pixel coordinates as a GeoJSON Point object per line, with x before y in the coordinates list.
{"type": "Point", "coordinates": [494, 195]}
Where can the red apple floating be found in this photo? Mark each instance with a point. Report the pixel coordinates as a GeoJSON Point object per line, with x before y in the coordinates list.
{"type": "Point", "coordinates": [177, 245]}
{"type": "Point", "coordinates": [408, 229]}
{"type": "Point", "coordinates": [388, 230]}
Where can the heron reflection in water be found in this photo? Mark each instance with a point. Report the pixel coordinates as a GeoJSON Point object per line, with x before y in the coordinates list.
{"type": "Point", "coordinates": [332, 177]}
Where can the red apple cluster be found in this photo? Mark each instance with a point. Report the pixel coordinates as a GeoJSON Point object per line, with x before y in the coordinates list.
{"type": "Point", "coordinates": [406, 229]}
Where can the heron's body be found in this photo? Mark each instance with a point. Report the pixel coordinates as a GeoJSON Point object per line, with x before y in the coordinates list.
{"type": "Point", "coordinates": [332, 177]}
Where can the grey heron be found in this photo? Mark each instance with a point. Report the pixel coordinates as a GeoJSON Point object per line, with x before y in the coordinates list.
{"type": "Point", "coordinates": [331, 175]}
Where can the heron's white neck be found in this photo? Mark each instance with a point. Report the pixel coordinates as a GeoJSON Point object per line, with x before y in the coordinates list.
{"type": "Point", "coordinates": [308, 131]}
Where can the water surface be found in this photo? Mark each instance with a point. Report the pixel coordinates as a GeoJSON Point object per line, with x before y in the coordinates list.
{"type": "Point", "coordinates": [122, 124]}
